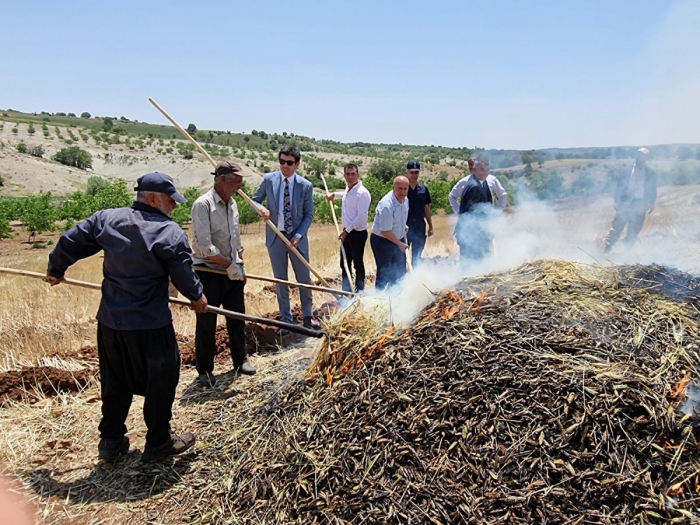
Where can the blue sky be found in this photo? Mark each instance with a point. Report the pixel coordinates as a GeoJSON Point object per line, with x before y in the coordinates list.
{"type": "Point", "coordinates": [494, 74]}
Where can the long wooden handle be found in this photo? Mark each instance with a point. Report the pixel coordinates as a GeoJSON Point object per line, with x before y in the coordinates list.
{"type": "Point", "coordinates": [277, 281]}
{"type": "Point", "coordinates": [175, 300]}
{"type": "Point", "coordinates": [337, 229]}
{"type": "Point", "coordinates": [242, 194]}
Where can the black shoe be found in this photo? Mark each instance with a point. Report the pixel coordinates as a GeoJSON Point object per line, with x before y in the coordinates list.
{"type": "Point", "coordinates": [175, 445]}
{"type": "Point", "coordinates": [206, 379]}
{"type": "Point", "coordinates": [246, 369]}
{"type": "Point", "coordinates": [310, 322]}
{"type": "Point", "coordinates": [111, 449]}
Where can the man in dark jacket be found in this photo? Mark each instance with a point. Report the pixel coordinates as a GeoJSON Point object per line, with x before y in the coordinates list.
{"type": "Point", "coordinates": [635, 196]}
{"type": "Point", "coordinates": [475, 205]}
{"type": "Point", "coordinates": [138, 352]}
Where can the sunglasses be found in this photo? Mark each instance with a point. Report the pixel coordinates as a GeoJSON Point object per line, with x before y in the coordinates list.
{"type": "Point", "coordinates": [288, 162]}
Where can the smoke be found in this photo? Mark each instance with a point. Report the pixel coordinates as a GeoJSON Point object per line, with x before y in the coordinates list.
{"type": "Point", "coordinates": [571, 230]}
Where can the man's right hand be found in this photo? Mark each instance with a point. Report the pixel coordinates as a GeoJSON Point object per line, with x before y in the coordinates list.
{"type": "Point", "coordinates": [264, 213]}
{"type": "Point", "coordinates": [200, 305]}
{"type": "Point", "coordinates": [403, 246]}
{"type": "Point", "coordinates": [53, 281]}
{"type": "Point", "coordinates": [330, 196]}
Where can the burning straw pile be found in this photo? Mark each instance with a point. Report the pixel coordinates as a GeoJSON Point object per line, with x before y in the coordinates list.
{"type": "Point", "coordinates": [548, 394]}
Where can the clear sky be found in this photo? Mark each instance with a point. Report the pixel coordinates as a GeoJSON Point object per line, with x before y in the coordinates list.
{"type": "Point", "coordinates": [490, 73]}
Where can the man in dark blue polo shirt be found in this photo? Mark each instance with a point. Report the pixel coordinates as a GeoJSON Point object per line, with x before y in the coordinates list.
{"type": "Point", "coordinates": [138, 352]}
{"type": "Point", "coordinates": [418, 212]}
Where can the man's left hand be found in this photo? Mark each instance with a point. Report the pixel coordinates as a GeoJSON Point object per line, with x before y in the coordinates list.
{"type": "Point", "coordinates": [343, 235]}
{"type": "Point", "coordinates": [430, 232]}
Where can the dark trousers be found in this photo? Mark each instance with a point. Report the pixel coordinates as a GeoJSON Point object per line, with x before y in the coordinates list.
{"type": "Point", "coordinates": [138, 362]}
{"type": "Point", "coordinates": [220, 291]}
{"type": "Point", "coordinates": [391, 261]}
{"type": "Point", "coordinates": [473, 239]}
{"type": "Point", "coordinates": [631, 215]}
{"type": "Point", "coordinates": [415, 238]}
{"type": "Point", "coordinates": [354, 246]}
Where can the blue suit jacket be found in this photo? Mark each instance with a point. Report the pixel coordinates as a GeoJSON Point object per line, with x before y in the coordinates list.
{"type": "Point", "coordinates": [302, 203]}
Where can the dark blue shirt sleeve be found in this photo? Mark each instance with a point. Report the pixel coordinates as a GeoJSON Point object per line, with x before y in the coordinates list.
{"type": "Point", "coordinates": [75, 244]}
{"type": "Point", "coordinates": [178, 261]}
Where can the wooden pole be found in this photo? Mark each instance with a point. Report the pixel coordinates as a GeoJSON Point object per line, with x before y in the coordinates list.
{"type": "Point", "coordinates": [242, 194]}
{"type": "Point", "coordinates": [277, 281]}
{"type": "Point", "coordinates": [337, 229]}
{"type": "Point", "coordinates": [184, 302]}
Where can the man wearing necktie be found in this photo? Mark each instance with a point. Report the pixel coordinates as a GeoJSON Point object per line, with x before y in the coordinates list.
{"type": "Point", "coordinates": [475, 206]}
{"type": "Point", "coordinates": [290, 205]}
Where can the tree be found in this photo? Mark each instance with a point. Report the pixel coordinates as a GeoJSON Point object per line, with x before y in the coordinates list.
{"type": "Point", "coordinates": [85, 114]}
{"type": "Point", "coordinates": [315, 165]}
{"type": "Point", "coordinates": [21, 147]}
{"type": "Point", "coordinates": [191, 129]}
{"type": "Point", "coordinates": [30, 129]}
{"type": "Point", "coordinates": [37, 214]}
{"type": "Point", "coordinates": [684, 153]}
{"type": "Point", "coordinates": [181, 214]}
{"type": "Point", "coordinates": [5, 228]}
{"type": "Point", "coordinates": [386, 169]}
{"type": "Point", "coordinates": [37, 151]}
{"type": "Point", "coordinates": [74, 156]}
{"type": "Point", "coordinates": [107, 124]}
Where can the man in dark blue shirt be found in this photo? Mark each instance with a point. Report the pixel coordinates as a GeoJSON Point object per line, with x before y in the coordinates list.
{"type": "Point", "coordinates": [418, 212]}
{"type": "Point", "coordinates": [138, 352]}
{"type": "Point", "coordinates": [475, 206]}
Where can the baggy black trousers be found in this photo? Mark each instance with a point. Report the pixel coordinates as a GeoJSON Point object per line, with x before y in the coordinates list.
{"type": "Point", "coordinates": [138, 362]}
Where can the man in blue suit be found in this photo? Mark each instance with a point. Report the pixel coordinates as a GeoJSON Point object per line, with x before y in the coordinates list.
{"type": "Point", "coordinates": [290, 206]}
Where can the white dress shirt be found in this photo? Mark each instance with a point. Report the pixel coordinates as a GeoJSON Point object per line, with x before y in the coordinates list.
{"type": "Point", "coordinates": [356, 203]}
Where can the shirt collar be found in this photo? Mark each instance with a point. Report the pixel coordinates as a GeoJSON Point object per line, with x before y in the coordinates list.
{"type": "Point", "coordinates": [141, 206]}
{"type": "Point", "coordinates": [291, 179]}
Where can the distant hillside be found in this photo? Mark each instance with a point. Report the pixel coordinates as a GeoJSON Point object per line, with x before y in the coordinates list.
{"type": "Point", "coordinates": [124, 148]}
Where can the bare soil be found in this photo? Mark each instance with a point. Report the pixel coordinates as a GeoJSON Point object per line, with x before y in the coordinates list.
{"type": "Point", "coordinates": [18, 385]}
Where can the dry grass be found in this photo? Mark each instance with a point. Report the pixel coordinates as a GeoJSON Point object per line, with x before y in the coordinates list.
{"type": "Point", "coordinates": [51, 444]}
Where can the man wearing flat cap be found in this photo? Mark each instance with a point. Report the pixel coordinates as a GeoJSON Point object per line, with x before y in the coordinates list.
{"type": "Point", "coordinates": [138, 354]}
{"type": "Point", "coordinates": [635, 196]}
{"type": "Point", "coordinates": [217, 245]}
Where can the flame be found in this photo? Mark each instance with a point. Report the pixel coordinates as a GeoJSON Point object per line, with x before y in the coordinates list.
{"type": "Point", "coordinates": [681, 386]}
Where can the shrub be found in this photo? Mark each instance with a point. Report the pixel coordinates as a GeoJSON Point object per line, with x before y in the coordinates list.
{"type": "Point", "coordinates": [21, 147]}
{"type": "Point", "coordinates": [15, 130]}
{"type": "Point", "coordinates": [74, 156]}
{"type": "Point", "coordinates": [2, 180]}
{"type": "Point", "coordinates": [95, 184]}
{"type": "Point", "coordinates": [30, 129]}
{"type": "Point", "coordinates": [37, 151]}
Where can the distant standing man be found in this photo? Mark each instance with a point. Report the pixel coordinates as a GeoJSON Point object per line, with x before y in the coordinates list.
{"type": "Point", "coordinates": [474, 202]}
{"type": "Point", "coordinates": [356, 201]}
{"type": "Point", "coordinates": [499, 195]}
{"type": "Point", "coordinates": [388, 239]}
{"type": "Point", "coordinates": [418, 212]}
{"type": "Point", "coordinates": [635, 196]}
{"type": "Point", "coordinates": [217, 245]}
{"type": "Point", "coordinates": [138, 352]}
{"type": "Point", "coordinates": [290, 203]}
